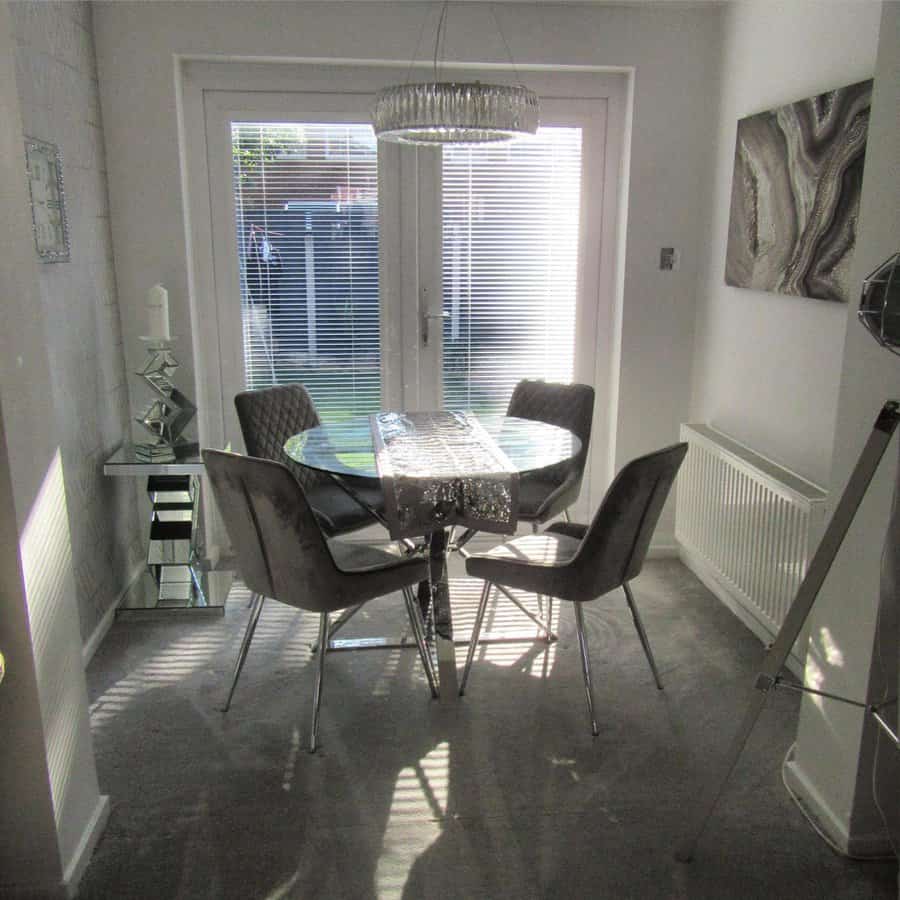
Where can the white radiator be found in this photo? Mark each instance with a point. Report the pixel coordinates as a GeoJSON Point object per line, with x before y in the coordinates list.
{"type": "Point", "coordinates": [747, 528]}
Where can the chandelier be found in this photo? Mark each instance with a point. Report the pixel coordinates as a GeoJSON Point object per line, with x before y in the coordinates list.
{"type": "Point", "coordinates": [449, 112]}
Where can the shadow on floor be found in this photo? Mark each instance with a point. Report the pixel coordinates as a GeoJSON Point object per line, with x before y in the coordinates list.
{"type": "Point", "coordinates": [504, 795]}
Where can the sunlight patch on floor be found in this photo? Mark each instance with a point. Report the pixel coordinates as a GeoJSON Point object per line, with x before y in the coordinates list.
{"type": "Point", "coordinates": [415, 821]}
{"type": "Point", "coordinates": [290, 767]}
{"type": "Point", "coordinates": [389, 670]}
{"type": "Point", "coordinates": [171, 665]}
{"type": "Point", "coordinates": [527, 650]}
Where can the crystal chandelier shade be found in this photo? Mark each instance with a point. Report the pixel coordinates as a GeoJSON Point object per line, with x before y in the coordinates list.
{"type": "Point", "coordinates": [441, 112]}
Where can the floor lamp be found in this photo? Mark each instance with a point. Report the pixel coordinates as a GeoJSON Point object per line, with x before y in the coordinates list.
{"type": "Point", "coordinates": [879, 312]}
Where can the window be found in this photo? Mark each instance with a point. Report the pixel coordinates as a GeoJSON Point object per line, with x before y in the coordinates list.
{"type": "Point", "coordinates": [306, 202]}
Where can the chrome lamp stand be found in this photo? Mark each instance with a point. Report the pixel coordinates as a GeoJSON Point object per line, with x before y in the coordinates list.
{"type": "Point", "coordinates": [770, 677]}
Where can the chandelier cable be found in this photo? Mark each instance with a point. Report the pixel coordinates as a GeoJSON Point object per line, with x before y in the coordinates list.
{"type": "Point", "coordinates": [509, 55]}
{"type": "Point", "coordinates": [440, 38]}
{"type": "Point", "coordinates": [440, 42]}
{"type": "Point", "coordinates": [415, 55]}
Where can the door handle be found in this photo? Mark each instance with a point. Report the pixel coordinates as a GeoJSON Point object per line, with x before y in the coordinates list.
{"type": "Point", "coordinates": [426, 318]}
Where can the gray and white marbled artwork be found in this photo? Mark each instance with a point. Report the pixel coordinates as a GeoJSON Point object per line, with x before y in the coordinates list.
{"type": "Point", "coordinates": [795, 195]}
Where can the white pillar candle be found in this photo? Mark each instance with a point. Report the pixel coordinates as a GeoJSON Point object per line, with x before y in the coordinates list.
{"type": "Point", "coordinates": [158, 313]}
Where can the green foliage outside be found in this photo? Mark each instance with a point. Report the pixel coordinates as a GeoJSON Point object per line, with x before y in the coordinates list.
{"type": "Point", "coordinates": [251, 146]}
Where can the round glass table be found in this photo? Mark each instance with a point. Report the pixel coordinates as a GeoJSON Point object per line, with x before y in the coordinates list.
{"type": "Point", "coordinates": [347, 448]}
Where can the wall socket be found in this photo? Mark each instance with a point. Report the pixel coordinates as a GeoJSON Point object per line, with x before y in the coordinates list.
{"type": "Point", "coordinates": [669, 259]}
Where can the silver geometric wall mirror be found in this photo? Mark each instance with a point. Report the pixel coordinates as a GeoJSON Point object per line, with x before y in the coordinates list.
{"type": "Point", "coordinates": [48, 200]}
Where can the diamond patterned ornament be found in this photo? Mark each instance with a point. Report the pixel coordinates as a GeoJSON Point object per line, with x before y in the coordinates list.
{"type": "Point", "coordinates": [167, 414]}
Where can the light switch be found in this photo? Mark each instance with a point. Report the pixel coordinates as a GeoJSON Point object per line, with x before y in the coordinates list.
{"type": "Point", "coordinates": [669, 259]}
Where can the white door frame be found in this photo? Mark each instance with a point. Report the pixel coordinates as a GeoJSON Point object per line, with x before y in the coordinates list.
{"type": "Point", "coordinates": [209, 90]}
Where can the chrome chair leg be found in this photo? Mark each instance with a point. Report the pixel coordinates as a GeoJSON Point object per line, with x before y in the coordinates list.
{"type": "Point", "coordinates": [464, 539]}
{"type": "Point", "coordinates": [320, 673]}
{"type": "Point", "coordinates": [418, 630]}
{"type": "Point", "coordinates": [339, 623]}
{"type": "Point", "coordinates": [586, 666]}
{"type": "Point", "coordinates": [257, 601]}
{"type": "Point", "coordinates": [639, 625]}
{"type": "Point", "coordinates": [476, 630]}
{"type": "Point", "coordinates": [540, 597]}
{"type": "Point", "coordinates": [541, 623]}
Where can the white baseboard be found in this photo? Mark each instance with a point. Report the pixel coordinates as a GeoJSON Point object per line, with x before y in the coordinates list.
{"type": "Point", "coordinates": [663, 550]}
{"type": "Point", "coordinates": [712, 580]}
{"type": "Point", "coordinates": [83, 852]}
{"type": "Point", "coordinates": [832, 825]}
{"type": "Point", "coordinates": [105, 623]}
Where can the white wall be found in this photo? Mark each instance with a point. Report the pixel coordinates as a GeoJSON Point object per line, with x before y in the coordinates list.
{"type": "Point", "coordinates": [800, 381]}
{"type": "Point", "coordinates": [674, 52]}
{"type": "Point", "coordinates": [832, 768]}
{"type": "Point", "coordinates": [767, 367]}
{"type": "Point", "coordinates": [58, 96]}
{"type": "Point", "coordinates": [51, 811]}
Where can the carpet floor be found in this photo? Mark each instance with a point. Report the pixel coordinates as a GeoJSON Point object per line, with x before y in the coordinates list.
{"type": "Point", "coordinates": [503, 795]}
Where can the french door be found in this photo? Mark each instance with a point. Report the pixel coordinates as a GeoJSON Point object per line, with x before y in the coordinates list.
{"type": "Point", "coordinates": [386, 276]}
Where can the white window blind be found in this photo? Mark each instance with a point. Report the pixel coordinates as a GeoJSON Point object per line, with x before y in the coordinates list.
{"type": "Point", "coordinates": [510, 260]}
{"type": "Point", "coordinates": [306, 200]}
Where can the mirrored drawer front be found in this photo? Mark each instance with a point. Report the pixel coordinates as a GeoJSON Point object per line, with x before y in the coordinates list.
{"type": "Point", "coordinates": [171, 488]}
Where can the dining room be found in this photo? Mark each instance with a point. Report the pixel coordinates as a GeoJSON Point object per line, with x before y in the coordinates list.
{"type": "Point", "coordinates": [350, 474]}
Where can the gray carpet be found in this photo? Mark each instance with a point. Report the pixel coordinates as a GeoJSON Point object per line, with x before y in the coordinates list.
{"type": "Point", "coordinates": [505, 795]}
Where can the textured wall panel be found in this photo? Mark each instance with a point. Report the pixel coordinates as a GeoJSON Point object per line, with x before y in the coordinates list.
{"type": "Point", "coordinates": [57, 85]}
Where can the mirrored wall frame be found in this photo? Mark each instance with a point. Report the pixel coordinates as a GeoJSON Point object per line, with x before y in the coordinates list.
{"type": "Point", "coordinates": [48, 201]}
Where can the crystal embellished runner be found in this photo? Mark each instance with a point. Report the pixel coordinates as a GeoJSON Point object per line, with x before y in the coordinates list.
{"type": "Point", "coordinates": [440, 469]}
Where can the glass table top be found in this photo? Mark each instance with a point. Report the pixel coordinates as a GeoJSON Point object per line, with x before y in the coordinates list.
{"type": "Point", "coordinates": [346, 448]}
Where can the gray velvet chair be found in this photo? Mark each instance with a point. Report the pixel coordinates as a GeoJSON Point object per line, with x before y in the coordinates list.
{"type": "Point", "coordinates": [268, 417]}
{"type": "Point", "coordinates": [282, 554]}
{"type": "Point", "coordinates": [551, 491]}
{"type": "Point", "coordinates": [548, 492]}
{"type": "Point", "coordinates": [579, 563]}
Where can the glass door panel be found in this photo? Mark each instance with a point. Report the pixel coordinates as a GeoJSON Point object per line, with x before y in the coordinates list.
{"type": "Point", "coordinates": [510, 241]}
{"type": "Point", "coordinates": [306, 227]}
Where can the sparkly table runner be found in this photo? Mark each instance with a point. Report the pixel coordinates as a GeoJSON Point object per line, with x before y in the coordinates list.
{"type": "Point", "coordinates": [443, 468]}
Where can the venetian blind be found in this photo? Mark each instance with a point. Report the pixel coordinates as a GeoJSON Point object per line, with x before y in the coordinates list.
{"type": "Point", "coordinates": [510, 260]}
{"type": "Point", "coordinates": [307, 233]}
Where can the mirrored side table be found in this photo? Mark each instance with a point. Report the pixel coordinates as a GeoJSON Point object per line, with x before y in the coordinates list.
{"type": "Point", "coordinates": [178, 579]}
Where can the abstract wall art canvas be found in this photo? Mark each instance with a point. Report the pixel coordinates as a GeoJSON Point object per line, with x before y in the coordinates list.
{"type": "Point", "coordinates": [795, 195]}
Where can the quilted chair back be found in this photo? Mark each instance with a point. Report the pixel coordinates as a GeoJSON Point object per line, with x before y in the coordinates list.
{"type": "Point", "coordinates": [269, 416]}
{"type": "Point", "coordinates": [615, 546]}
{"type": "Point", "coordinates": [569, 406]}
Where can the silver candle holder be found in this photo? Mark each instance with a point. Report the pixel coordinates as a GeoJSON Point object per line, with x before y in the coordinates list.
{"type": "Point", "coordinates": [167, 414]}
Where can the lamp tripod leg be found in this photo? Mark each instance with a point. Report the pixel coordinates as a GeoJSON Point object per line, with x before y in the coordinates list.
{"type": "Point", "coordinates": [861, 477]}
